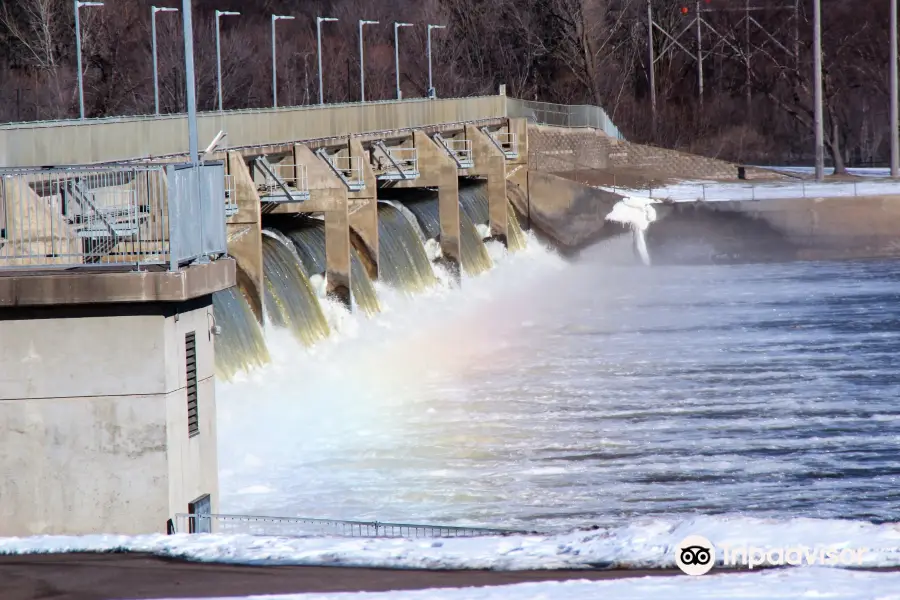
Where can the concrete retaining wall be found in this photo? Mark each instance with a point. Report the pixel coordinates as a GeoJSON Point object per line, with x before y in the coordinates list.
{"type": "Point", "coordinates": [558, 149]}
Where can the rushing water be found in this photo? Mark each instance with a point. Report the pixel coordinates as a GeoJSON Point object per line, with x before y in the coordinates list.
{"type": "Point", "coordinates": [557, 395]}
{"type": "Point", "coordinates": [241, 345]}
{"type": "Point", "coordinates": [310, 245]}
{"type": "Point", "coordinates": [290, 300]}
{"type": "Point", "coordinates": [473, 254]}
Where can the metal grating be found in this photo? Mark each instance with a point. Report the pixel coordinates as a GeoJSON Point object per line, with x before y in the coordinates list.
{"type": "Point", "coordinates": [190, 353]}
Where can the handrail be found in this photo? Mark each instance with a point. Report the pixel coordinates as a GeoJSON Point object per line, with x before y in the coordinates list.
{"type": "Point", "coordinates": [345, 528]}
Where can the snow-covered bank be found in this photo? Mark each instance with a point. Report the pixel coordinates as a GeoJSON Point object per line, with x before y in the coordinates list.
{"type": "Point", "coordinates": [646, 544]}
{"type": "Point", "coordinates": [772, 585]}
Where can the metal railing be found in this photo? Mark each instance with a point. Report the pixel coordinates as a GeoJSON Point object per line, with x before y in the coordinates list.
{"type": "Point", "coordinates": [227, 112]}
{"type": "Point", "coordinates": [724, 191]}
{"type": "Point", "coordinates": [395, 163]}
{"type": "Point", "coordinates": [459, 150]}
{"type": "Point", "coordinates": [231, 207]}
{"type": "Point", "coordinates": [111, 216]}
{"type": "Point", "coordinates": [508, 142]}
{"type": "Point", "coordinates": [303, 527]}
{"type": "Point", "coordinates": [563, 115]}
{"type": "Point", "coordinates": [294, 175]}
{"type": "Point", "coordinates": [349, 169]}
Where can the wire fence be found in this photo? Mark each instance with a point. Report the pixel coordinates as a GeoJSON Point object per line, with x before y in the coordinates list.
{"type": "Point", "coordinates": [563, 115]}
{"type": "Point", "coordinates": [304, 527]}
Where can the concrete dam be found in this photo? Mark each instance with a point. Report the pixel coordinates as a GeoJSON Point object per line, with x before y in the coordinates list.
{"type": "Point", "coordinates": [294, 267]}
{"type": "Point", "coordinates": [131, 282]}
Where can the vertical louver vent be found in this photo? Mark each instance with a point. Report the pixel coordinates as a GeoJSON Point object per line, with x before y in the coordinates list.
{"type": "Point", "coordinates": [190, 353]}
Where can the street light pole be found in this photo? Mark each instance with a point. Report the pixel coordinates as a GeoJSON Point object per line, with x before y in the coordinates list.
{"type": "Point", "coordinates": [78, 6]}
{"type": "Point", "coordinates": [219, 14]}
{"type": "Point", "coordinates": [397, 27]}
{"type": "Point", "coordinates": [153, 11]}
{"type": "Point", "coordinates": [362, 62]}
{"type": "Point", "coordinates": [274, 65]}
{"type": "Point", "coordinates": [319, 21]}
{"type": "Point", "coordinates": [431, 93]}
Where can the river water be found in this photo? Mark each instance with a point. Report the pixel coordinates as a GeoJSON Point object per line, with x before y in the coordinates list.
{"type": "Point", "coordinates": [554, 395]}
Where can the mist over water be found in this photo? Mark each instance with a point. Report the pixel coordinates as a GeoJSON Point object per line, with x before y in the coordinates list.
{"type": "Point", "coordinates": [549, 394]}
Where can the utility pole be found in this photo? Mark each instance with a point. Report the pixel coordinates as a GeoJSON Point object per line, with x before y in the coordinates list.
{"type": "Point", "coordinates": [747, 61]}
{"type": "Point", "coordinates": [699, 54]}
{"type": "Point", "coordinates": [652, 66]}
{"type": "Point", "coordinates": [895, 117]}
{"type": "Point", "coordinates": [818, 118]}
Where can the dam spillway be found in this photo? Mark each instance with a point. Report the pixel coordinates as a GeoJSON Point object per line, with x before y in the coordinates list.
{"type": "Point", "coordinates": [294, 264]}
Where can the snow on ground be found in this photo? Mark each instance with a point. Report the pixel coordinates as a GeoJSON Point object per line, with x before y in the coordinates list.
{"type": "Point", "coordinates": [646, 544]}
{"type": "Point", "coordinates": [770, 585]}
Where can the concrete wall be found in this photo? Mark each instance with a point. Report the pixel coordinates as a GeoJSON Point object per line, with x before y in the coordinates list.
{"type": "Point", "coordinates": [776, 230]}
{"type": "Point", "coordinates": [93, 410]}
{"type": "Point", "coordinates": [96, 140]}
{"type": "Point", "coordinates": [570, 214]}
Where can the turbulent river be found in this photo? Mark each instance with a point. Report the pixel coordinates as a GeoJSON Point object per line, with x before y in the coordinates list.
{"type": "Point", "coordinates": [548, 394]}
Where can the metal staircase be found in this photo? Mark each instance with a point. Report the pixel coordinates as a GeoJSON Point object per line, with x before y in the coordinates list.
{"type": "Point", "coordinates": [105, 216]}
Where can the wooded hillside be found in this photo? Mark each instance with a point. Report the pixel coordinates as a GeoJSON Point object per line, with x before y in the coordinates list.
{"type": "Point", "coordinates": [567, 51]}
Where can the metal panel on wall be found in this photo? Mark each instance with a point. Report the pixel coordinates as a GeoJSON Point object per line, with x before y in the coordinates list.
{"type": "Point", "coordinates": [184, 245]}
{"type": "Point", "coordinates": [212, 206]}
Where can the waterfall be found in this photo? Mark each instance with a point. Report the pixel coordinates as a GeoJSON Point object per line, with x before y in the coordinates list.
{"type": "Point", "coordinates": [474, 201]}
{"type": "Point", "coordinates": [241, 345]}
{"type": "Point", "coordinates": [474, 256]}
{"type": "Point", "coordinates": [290, 300]}
{"type": "Point", "coordinates": [402, 260]}
{"type": "Point", "coordinates": [309, 241]}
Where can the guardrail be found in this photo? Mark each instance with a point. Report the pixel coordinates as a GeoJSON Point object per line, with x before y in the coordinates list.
{"type": "Point", "coordinates": [303, 527]}
{"type": "Point", "coordinates": [112, 216]}
{"type": "Point", "coordinates": [563, 115]}
{"type": "Point", "coordinates": [718, 192]}
{"type": "Point", "coordinates": [395, 163]}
